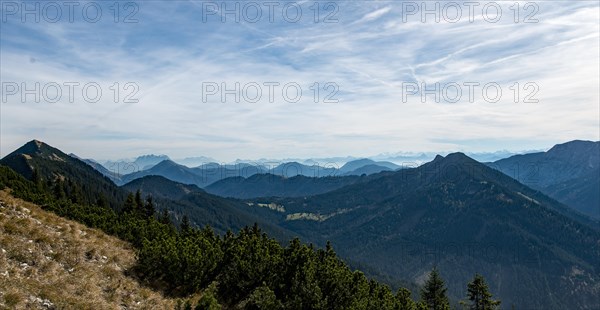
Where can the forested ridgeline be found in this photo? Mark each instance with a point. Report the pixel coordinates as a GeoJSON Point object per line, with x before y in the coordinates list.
{"type": "Point", "coordinates": [244, 270]}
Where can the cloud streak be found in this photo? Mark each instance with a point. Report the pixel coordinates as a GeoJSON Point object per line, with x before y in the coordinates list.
{"type": "Point", "coordinates": [370, 53]}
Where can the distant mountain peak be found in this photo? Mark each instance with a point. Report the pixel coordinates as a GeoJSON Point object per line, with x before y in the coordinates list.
{"type": "Point", "coordinates": [152, 157]}
{"type": "Point", "coordinates": [148, 161]}
{"type": "Point", "coordinates": [453, 164]}
{"type": "Point", "coordinates": [453, 158]}
{"type": "Point", "coordinates": [35, 148]}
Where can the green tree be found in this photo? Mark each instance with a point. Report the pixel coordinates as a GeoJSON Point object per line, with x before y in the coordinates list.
{"type": "Point", "coordinates": [149, 207]}
{"type": "Point", "coordinates": [37, 180]}
{"type": "Point", "coordinates": [129, 204]}
{"type": "Point", "coordinates": [208, 301]}
{"type": "Point", "coordinates": [300, 278]}
{"type": "Point", "coordinates": [102, 202]}
{"type": "Point", "coordinates": [404, 300]}
{"type": "Point", "coordinates": [185, 225]}
{"type": "Point", "coordinates": [164, 217]}
{"type": "Point", "coordinates": [249, 260]}
{"type": "Point", "coordinates": [59, 190]}
{"type": "Point", "coordinates": [479, 295]}
{"type": "Point", "coordinates": [380, 296]}
{"type": "Point", "coordinates": [433, 294]}
{"type": "Point", "coordinates": [263, 298]}
{"type": "Point", "coordinates": [75, 192]}
{"type": "Point", "coordinates": [138, 199]}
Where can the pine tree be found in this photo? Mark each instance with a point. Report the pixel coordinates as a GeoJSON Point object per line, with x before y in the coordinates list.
{"type": "Point", "coordinates": [433, 294]}
{"type": "Point", "coordinates": [262, 298]}
{"type": "Point", "coordinates": [164, 217]}
{"type": "Point", "coordinates": [480, 296]}
{"type": "Point", "coordinates": [37, 180]}
{"type": "Point", "coordinates": [59, 190]}
{"type": "Point", "coordinates": [138, 200]}
{"type": "Point", "coordinates": [75, 192]}
{"type": "Point", "coordinates": [185, 225]}
{"type": "Point", "coordinates": [129, 204]}
{"type": "Point", "coordinates": [149, 207]}
{"type": "Point", "coordinates": [102, 202]}
{"type": "Point", "coordinates": [404, 301]}
{"type": "Point", "coordinates": [208, 301]}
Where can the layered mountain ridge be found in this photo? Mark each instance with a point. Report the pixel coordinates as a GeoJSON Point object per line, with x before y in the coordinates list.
{"type": "Point", "coordinates": [453, 212]}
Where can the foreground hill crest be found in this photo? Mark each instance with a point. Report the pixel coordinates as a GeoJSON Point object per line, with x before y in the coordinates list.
{"type": "Point", "coordinates": [46, 260]}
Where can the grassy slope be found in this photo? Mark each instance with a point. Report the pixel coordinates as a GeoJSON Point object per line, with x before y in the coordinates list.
{"type": "Point", "coordinates": [47, 259]}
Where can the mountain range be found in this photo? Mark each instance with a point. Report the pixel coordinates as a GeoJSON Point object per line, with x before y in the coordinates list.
{"type": "Point", "coordinates": [366, 166]}
{"type": "Point", "coordinates": [61, 172]}
{"type": "Point", "coordinates": [209, 173]}
{"type": "Point", "coordinates": [454, 213]}
{"type": "Point", "coordinates": [463, 217]}
{"type": "Point", "coordinates": [270, 185]}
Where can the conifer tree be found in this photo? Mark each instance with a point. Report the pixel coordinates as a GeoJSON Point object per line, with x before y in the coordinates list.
{"type": "Point", "coordinates": [185, 225]}
{"type": "Point", "coordinates": [129, 204]}
{"type": "Point", "coordinates": [149, 207]}
{"type": "Point", "coordinates": [59, 190]}
{"type": "Point", "coordinates": [479, 295]}
{"type": "Point", "coordinates": [102, 202]}
{"type": "Point", "coordinates": [138, 200]}
{"type": "Point", "coordinates": [404, 301]}
{"type": "Point", "coordinates": [433, 294]}
{"type": "Point", "coordinates": [164, 217]}
{"type": "Point", "coordinates": [37, 180]}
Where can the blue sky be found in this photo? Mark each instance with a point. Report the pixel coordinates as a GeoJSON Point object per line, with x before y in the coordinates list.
{"type": "Point", "coordinates": [372, 51]}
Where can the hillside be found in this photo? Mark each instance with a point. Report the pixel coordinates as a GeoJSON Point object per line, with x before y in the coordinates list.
{"type": "Point", "coordinates": [171, 171]}
{"type": "Point", "coordinates": [367, 166]}
{"type": "Point", "coordinates": [202, 208]}
{"type": "Point", "coordinates": [463, 217]}
{"type": "Point", "coordinates": [368, 170]}
{"type": "Point", "coordinates": [200, 176]}
{"type": "Point", "coordinates": [269, 185]}
{"type": "Point", "coordinates": [112, 175]}
{"type": "Point", "coordinates": [161, 187]}
{"type": "Point", "coordinates": [568, 172]}
{"type": "Point", "coordinates": [292, 169]}
{"type": "Point", "coordinates": [47, 261]}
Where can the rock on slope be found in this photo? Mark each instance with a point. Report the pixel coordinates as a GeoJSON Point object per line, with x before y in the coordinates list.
{"type": "Point", "coordinates": [49, 262]}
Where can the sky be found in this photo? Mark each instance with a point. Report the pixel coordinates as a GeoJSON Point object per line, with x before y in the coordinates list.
{"type": "Point", "coordinates": [284, 79]}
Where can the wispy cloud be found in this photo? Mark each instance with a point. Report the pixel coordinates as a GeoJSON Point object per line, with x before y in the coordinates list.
{"type": "Point", "coordinates": [369, 51]}
{"type": "Point", "coordinates": [374, 15]}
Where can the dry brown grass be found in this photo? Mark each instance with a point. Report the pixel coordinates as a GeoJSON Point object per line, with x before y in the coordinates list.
{"type": "Point", "coordinates": [50, 262]}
